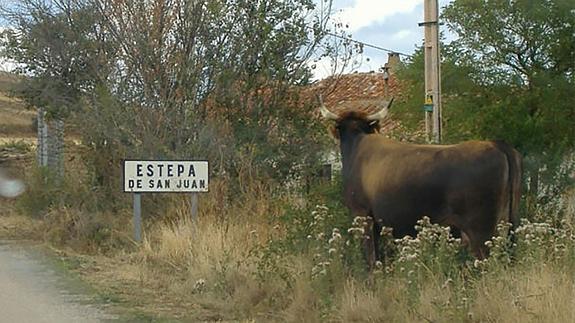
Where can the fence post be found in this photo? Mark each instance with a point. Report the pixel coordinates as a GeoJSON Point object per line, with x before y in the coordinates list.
{"type": "Point", "coordinates": [42, 149]}
{"type": "Point", "coordinates": [50, 151]}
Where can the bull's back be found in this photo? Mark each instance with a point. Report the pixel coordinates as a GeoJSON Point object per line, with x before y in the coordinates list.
{"type": "Point", "coordinates": [403, 182]}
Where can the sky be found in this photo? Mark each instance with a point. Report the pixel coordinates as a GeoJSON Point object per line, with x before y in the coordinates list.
{"type": "Point", "coordinates": [391, 24]}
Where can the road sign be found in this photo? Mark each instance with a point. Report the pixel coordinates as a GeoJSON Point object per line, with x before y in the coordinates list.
{"type": "Point", "coordinates": [165, 176]}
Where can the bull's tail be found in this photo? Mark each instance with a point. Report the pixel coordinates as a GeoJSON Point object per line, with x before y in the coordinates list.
{"type": "Point", "coordinates": [515, 163]}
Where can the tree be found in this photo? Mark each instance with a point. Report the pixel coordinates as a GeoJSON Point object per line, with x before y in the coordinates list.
{"type": "Point", "coordinates": [509, 75]}
{"type": "Point", "coordinates": [56, 45]}
{"type": "Point", "coordinates": [214, 79]}
{"type": "Point", "coordinates": [523, 52]}
{"type": "Point", "coordinates": [523, 58]}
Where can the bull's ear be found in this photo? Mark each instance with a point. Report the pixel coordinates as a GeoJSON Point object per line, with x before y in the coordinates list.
{"type": "Point", "coordinates": [375, 126]}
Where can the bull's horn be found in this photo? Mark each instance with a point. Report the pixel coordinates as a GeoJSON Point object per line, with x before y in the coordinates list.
{"type": "Point", "coordinates": [379, 115]}
{"type": "Point", "coordinates": [325, 112]}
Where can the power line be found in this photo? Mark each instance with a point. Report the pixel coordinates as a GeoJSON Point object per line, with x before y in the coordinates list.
{"type": "Point", "coordinates": [367, 44]}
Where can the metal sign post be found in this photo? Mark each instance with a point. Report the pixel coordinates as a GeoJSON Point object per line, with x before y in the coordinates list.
{"type": "Point", "coordinates": [164, 176]}
{"type": "Point", "coordinates": [137, 217]}
{"type": "Point", "coordinates": [194, 207]}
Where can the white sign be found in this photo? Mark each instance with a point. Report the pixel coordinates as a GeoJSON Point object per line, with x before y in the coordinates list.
{"type": "Point", "coordinates": [168, 176]}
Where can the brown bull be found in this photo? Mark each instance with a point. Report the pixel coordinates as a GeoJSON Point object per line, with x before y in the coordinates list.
{"type": "Point", "coordinates": [469, 186]}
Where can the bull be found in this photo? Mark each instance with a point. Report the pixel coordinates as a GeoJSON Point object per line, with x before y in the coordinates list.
{"type": "Point", "coordinates": [470, 186]}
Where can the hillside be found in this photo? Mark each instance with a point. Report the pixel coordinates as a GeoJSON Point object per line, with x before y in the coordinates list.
{"type": "Point", "coordinates": [15, 119]}
{"type": "Point", "coordinates": [17, 135]}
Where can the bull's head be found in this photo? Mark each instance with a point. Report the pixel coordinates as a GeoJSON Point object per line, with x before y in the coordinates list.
{"type": "Point", "coordinates": [354, 122]}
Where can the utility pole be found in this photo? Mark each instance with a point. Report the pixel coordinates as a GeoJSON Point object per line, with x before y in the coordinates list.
{"type": "Point", "coordinates": [432, 104]}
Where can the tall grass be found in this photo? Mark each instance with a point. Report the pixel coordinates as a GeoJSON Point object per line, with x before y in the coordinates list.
{"type": "Point", "coordinates": [213, 260]}
{"type": "Point", "coordinates": [251, 268]}
{"type": "Point", "coordinates": [268, 255]}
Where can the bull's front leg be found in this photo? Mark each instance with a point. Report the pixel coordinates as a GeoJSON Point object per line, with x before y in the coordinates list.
{"type": "Point", "coordinates": [369, 247]}
{"type": "Point", "coordinates": [369, 244]}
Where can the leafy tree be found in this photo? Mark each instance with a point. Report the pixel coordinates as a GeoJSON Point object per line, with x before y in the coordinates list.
{"type": "Point", "coordinates": [56, 45]}
{"type": "Point", "coordinates": [216, 79]}
{"type": "Point", "coordinates": [509, 75]}
{"type": "Point", "coordinates": [523, 57]}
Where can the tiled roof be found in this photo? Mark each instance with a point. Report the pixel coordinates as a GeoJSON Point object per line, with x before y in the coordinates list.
{"type": "Point", "coordinates": [358, 91]}
{"type": "Point", "coordinates": [364, 92]}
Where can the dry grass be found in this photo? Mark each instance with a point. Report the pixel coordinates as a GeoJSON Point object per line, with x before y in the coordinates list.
{"type": "Point", "coordinates": [539, 294]}
{"type": "Point", "coordinates": [212, 264]}
{"type": "Point", "coordinates": [15, 226]}
{"type": "Point", "coordinates": [304, 303]}
{"type": "Point", "coordinates": [184, 245]}
{"type": "Point", "coordinates": [391, 302]}
{"type": "Point", "coordinates": [207, 264]}
{"type": "Point", "coordinates": [205, 271]}
{"type": "Point", "coordinates": [361, 304]}
{"type": "Point", "coordinates": [534, 294]}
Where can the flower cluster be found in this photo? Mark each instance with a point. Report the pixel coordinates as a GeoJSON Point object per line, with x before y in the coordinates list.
{"type": "Point", "coordinates": [434, 233]}
{"type": "Point", "coordinates": [543, 241]}
{"type": "Point", "coordinates": [499, 251]}
{"type": "Point", "coordinates": [328, 246]}
{"type": "Point", "coordinates": [320, 269]}
{"type": "Point", "coordinates": [357, 229]}
{"type": "Point", "coordinates": [320, 216]}
{"type": "Point", "coordinates": [433, 249]}
{"type": "Point", "coordinates": [199, 286]}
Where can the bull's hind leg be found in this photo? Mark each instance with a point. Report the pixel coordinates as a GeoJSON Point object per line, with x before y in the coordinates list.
{"type": "Point", "coordinates": [476, 234]}
{"type": "Point", "coordinates": [477, 245]}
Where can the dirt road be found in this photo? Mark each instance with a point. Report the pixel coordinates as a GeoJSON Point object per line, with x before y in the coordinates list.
{"type": "Point", "coordinates": [33, 290]}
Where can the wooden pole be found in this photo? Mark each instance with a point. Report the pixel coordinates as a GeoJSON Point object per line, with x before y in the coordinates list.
{"type": "Point", "coordinates": [432, 70]}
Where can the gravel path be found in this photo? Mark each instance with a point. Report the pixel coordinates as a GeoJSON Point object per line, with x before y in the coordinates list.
{"type": "Point", "coordinates": [31, 290]}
